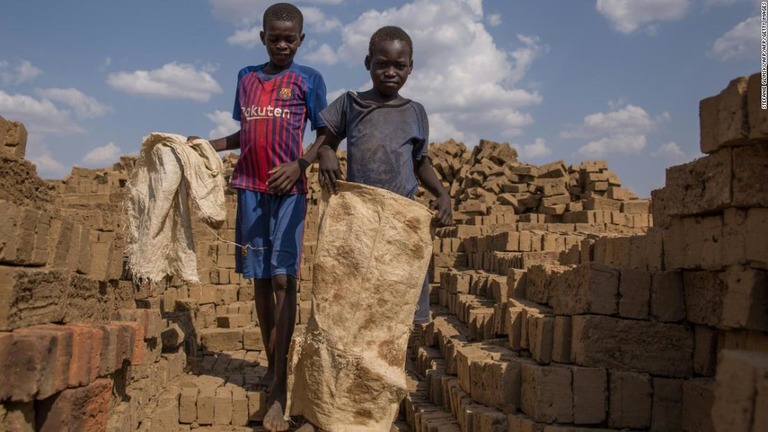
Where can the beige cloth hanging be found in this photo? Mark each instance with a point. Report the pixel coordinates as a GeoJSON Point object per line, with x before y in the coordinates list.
{"type": "Point", "coordinates": [170, 176]}
{"type": "Point", "coordinates": [347, 370]}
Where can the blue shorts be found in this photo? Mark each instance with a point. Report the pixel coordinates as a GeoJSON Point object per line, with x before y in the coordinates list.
{"type": "Point", "coordinates": [272, 227]}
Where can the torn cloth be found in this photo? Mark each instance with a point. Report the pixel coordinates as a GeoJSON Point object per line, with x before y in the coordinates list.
{"type": "Point", "coordinates": [170, 176]}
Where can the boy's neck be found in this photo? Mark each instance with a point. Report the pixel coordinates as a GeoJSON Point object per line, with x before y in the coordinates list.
{"type": "Point", "coordinates": [273, 69]}
{"type": "Point", "coordinates": [374, 96]}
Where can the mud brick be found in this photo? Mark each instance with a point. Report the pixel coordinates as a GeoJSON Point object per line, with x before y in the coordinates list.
{"type": "Point", "coordinates": [738, 373]}
{"type": "Point", "coordinates": [17, 417]}
{"type": "Point", "coordinates": [723, 118]}
{"type": "Point", "coordinates": [252, 339]}
{"type": "Point", "coordinates": [81, 409]}
{"type": "Point", "coordinates": [667, 296]}
{"type": "Point", "coordinates": [704, 294]}
{"type": "Point", "coordinates": [590, 391]}
{"type": "Point", "coordinates": [257, 405]}
{"type": "Point", "coordinates": [547, 394]}
{"type": "Point", "coordinates": [667, 405]}
{"type": "Point", "coordinates": [206, 401]}
{"type": "Point", "coordinates": [598, 203]}
{"type": "Point", "coordinates": [541, 337]}
{"type": "Point", "coordinates": [751, 163]}
{"type": "Point", "coordinates": [761, 402]}
{"type": "Point", "coordinates": [630, 400]}
{"type": "Point", "coordinates": [758, 118]}
{"type": "Point", "coordinates": [239, 407]}
{"type": "Point", "coordinates": [222, 411]}
{"type": "Point", "coordinates": [705, 350]}
{"type": "Point", "coordinates": [508, 241]}
{"type": "Point", "coordinates": [698, 401]}
{"type": "Point", "coordinates": [635, 292]}
{"type": "Point", "coordinates": [516, 281]}
{"type": "Point", "coordinates": [226, 294]}
{"type": "Point", "coordinates": [109, 349]}
{"type": "Point", "coordinates": [13, 138]}
{"type": "Point", "coordinates": [746, 299]}
{"type": "Point", "coordinates": [588, 288]}
{"type": "Point", "coordinates": [166, 415]}
{"type": "Point", "coordinates": [496, 383]}
{"type": "Point", "coordinates": [467, 354]}
{"type": "Point", "coordinates": [188, 404]}
{"type": "Point", "coordinates": [216, 340]}
{"type": "Point", "coordinates": [654, 249]}
{"type": "Point", "coordinates": [744, 231]}
{"type": "Point", "coordinates": [233, 321]}
{"type": "Point", "coordinates": [453, 260]}
{"type": "Point", "coordinates": [23, 360]}
{"type": "Point", "coordinates": [54, 374]}
{"type": "Point", "coordinates": [172, 337]}
{"type": "Point", "coordinates": [30, 297]}
{"type": "Point", "coordinates": [84, 259]}
{"type": "Point", "coordinates": [561, 343]}
{"type": "Point", "coordinates": [702, 186]}
{"type": "Point", "coordinates": [640, 206]}
{"type": "Point", "coordinates": [642, 346]}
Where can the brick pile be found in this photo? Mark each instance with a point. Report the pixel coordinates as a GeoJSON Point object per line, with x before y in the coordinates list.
{"type": "Point", "coordinates": [662, 331]}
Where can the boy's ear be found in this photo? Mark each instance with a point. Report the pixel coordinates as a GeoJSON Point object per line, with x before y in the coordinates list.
{"type": "Point", "coordinates": [410, 68]}
{"type": "Point", "coordinates": [367, 62]}
{"type": "Point", "coordinates": [262, 36]}
{"type": "Point", "coordinates": [301, 39]}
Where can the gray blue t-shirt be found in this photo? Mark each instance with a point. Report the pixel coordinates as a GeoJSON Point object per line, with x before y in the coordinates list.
{"type": "Point", "coordinates": [382, 140]}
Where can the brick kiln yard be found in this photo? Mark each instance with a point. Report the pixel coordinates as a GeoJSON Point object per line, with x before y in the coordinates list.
{"type": "Point", "coordinates": [561, 302]}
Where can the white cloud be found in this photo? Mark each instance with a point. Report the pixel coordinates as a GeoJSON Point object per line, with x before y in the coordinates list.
{"type": "Point", "coordinates": [629, 120]}
{"type": "Point", "coordinates": [324, 54]}
{"type": "Point", "coordinates": [48, 167]}
{"type": "Point", "coordinates": [174, 81]}
{"type": "Point", "coordinates": [670, 151]}
{"type": "Point", "coordinates": [740, 42]}
{"type": "Point", "coordinates": [494, 20]}
{"type": "Point", "coordinates": [22, 73]}
{"type": "Point", "coordinates": [447, 36]}
{"type": "Point", "coordinates": [619, 144]}
{"type": "Point", "coordinates": [248, 12]}
{"type": "Point", "coordinates": [626, 16]}
{"type": "Point", "coordinates": [247, 37]}
{"type": "Point", "coordinates": [84, 106]}
{"type": "Point", "coordinates": [318, 22]}
{"type": "Point", "coordinates": [536, 150]}
{"type": "Point", "coordinates": [39, 116]}
{"type": "Point", "coordinates": [225, 124]}
{"type": "Point", "coordinates": [102, 156]}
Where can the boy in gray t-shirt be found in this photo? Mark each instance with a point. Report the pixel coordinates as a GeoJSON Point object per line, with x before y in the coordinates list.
{"type": "Point", "coordinates": [387, 134]}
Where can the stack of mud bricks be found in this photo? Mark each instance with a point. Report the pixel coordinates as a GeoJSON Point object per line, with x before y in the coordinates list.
{"type": "Point", "coordinates": [75, 351]}
{"type": "Point", "coordinates": [490, 187]}
{"type": "Point", "coordinates": [664, 331]}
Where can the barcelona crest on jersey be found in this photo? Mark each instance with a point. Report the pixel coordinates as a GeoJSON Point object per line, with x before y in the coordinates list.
{"type": "Point", "coordinates": [285, 93]}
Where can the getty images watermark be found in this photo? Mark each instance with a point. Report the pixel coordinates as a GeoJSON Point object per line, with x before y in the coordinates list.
{"type": "Point", "coordinates": [763, 55]}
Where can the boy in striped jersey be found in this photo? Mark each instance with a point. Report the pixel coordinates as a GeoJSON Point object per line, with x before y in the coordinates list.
{"type": "Point", "coordinates": [272, 104]}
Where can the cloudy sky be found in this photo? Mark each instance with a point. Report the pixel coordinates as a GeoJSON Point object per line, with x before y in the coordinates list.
{"type": "Point", "coordinates": [618, 80]}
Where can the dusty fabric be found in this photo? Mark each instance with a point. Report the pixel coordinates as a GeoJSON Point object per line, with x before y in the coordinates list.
{"type": "Point", "coordinates": [171, 176]}
{"type": "Point", "coordinates": [346, 372]}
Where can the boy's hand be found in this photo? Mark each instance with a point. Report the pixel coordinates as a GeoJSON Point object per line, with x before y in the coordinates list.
{"type": "Point", "coordinates": [282, 178]}
{"type": "Point", "coordinates": [442, 205]}
{"type": "Point", "coordinates": [329, 168]}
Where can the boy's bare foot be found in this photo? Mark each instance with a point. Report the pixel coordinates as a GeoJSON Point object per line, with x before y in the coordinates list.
{"type": "Point", "coordinates": [274, 420]}
{"type": "Point", "coordinates": [306, 427]}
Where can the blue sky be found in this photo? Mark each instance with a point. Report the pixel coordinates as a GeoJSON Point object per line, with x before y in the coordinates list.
{"type": "Point", "coordinates": [618, 80]}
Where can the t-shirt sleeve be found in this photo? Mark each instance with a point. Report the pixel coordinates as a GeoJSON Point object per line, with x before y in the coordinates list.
{"type": "Point", "coordinates": [237, 109]}
{"type": "Point", "coordinates": [335, 116]}
{"type": "Point", "coordinates": [316, 102]}
{"type": "Point", "coordinates": [421, 146]}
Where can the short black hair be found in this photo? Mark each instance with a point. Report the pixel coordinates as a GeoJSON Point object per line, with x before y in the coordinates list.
{"type": "Point", "coordinates": [388, 34]}
{"type": "Point", "coordinates": [283, 12]}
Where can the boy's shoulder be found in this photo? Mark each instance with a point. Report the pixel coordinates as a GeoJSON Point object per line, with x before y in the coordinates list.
{"type": "Point", "coordinates": [249, 69]}
{"type": "Point", "coordinates": [305, 70]}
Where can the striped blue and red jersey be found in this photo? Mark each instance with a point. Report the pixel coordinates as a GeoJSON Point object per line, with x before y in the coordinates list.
{"type": "Point", "coordinates": [273, 111]}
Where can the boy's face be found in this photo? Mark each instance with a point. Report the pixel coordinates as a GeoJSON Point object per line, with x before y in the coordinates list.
{"type": "Point", "coordinates": [282, 39]}
{"type": "Point", "coordinates": [389, 64]}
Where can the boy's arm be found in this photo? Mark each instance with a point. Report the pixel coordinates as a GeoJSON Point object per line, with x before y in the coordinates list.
{"type": "Point", "coordinates": [230, 142]}
{"type": "Point", "coordinates": [428, 178]}
{"type": "Point", "coordinates": [330, 172]}
{"type": "Point", "coordinates": [282, 178]}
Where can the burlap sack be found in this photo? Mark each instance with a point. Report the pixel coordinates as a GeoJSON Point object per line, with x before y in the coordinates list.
{"type": "Point", "coordinates": [346, 371]}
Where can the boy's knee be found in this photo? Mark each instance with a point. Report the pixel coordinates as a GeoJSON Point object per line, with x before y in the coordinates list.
{"type": "Point", "coordinates": [283, 282]}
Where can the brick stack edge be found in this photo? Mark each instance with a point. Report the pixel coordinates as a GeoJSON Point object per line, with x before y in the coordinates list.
{"type": "Point", "coordinates": [561, 301]}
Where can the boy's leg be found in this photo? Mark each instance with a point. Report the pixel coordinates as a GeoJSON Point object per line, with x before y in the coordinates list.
{"type": "Point", "coordinates": [287, 232]}
{"type": "Point", "coordinates": [252, 230]}
{"type": "Point", "coordinates": [265, 312]}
